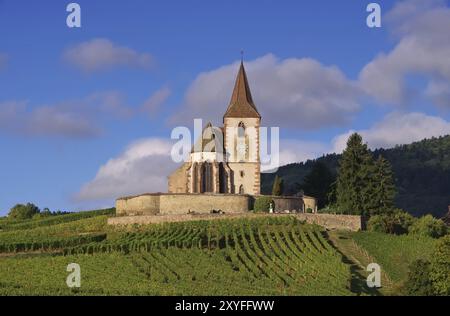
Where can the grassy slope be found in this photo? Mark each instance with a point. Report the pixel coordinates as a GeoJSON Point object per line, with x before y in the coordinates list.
{"type": "Point", "coordinates": [395, 253]}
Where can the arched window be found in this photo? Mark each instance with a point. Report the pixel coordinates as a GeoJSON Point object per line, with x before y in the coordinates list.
{"type": "Point", "coordinates": [222, 179]}
{"type": "Point", "coordinates": [207, 178]}
{"type": "Point", "coordinates": [241, 130]}
{"type": "Point", "coordinates": [241, 189]}
{"type": "Point", "coordinates": [241, 144]}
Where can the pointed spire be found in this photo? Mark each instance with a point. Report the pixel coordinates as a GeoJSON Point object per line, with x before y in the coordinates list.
{"type": "Point", "coordinates": [241, 104]}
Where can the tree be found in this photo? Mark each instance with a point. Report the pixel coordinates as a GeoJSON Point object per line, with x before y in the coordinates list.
{"type": "Point", "coordinates": [318, 183]}
{"type": "Point", "coordinates": [354, 185]}
{"type": "Point", "coordinates": [384, 187]}
{"type": "Point", "coordinates": [440, 267]}
{"type": "Point", "coordinates": [431, 277]}
{"type": "Point", "coordinates": [419, 282]}
{"type": "Point", "coordinates": [429, 226]}
{"type": "Point", "coordinates": [277, 189]}
{"type": "Point", "coordinates": [20, 211]}
{"type": "Point", "coordinates": [396, 222]}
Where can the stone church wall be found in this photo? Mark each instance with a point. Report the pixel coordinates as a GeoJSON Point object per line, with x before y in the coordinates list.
{"type": "Point", "coordinates": [147, 204]}
{"type": "Point", "coordinates": [178, 180]}
{"type": "Point", "coordinates": [164, 204]}
{"type": "Point", "coordinates": [183, 203]}
{"type": "Point", "coordinates": [203, 203]}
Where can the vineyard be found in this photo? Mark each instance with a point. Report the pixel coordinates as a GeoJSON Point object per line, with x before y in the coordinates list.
{"type": "Point", "coordinates": [263, 256]}
{"type": "Point", "coordinates": [268, 255]}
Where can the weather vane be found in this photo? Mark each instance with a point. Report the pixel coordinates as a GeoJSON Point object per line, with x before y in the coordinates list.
{"type": "Point", "coordinates": [242, 55]}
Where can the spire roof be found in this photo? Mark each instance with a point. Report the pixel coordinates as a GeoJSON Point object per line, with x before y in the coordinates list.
{"type": "Point", "coordinates": [241, 104]}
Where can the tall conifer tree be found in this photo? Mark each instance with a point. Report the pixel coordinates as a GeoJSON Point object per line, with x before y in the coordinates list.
{"type": "Point", "coordinates": [318, 183]}
{"type": "Point", "coordinates": [384, 191]}
{"type": "Point", "coordinates": [355, 183]}
{"type": "Point", "coordinates": [277, 188]}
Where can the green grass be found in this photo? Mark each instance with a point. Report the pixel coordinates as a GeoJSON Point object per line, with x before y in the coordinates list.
{"type": "Point", "coordinates": [395, 253]}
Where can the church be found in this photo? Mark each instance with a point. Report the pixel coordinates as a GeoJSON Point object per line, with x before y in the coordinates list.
{"type": "Point", "coordinates": [225, 160]}
{"type": "Point", "coordinates": [222, 172]}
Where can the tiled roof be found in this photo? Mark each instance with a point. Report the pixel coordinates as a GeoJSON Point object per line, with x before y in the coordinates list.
{"type": "Point", "coordinates": [241, 104]}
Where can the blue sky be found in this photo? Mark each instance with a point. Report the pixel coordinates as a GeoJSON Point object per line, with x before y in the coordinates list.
{"type": "Point", "coordinates": [83, 110]}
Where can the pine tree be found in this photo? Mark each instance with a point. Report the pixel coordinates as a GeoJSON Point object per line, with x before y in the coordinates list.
{"type": "Point", "coordinates": [318, 183]}
{"type": "Point", "coordinates": [384, 190]}
{"type": "Point", "coordinates": [355, 185]}
{"type": "Point", "coordinates": [277, 189]}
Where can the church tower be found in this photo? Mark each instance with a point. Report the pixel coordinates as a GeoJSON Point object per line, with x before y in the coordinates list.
{"type": "Point", "coordinates": [241, 137]}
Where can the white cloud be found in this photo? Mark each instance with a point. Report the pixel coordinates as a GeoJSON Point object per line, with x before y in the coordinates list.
{"type": "Point", "coordinates": [100, 54]}
{"type": "Point", "coordinates": [142, 167]}
{"type": "Point", "coordinates": [423, 50]}
{"type": "Point", "coordinates": [45, 120]}
{"type": "Point", "coordinates": [71, 119]}
{"type": "Point", "coordinates": [300, 93]}
{"type": "Point", "coordinates": [154, 102]}
{"type": "Point", "coordinates": [397, 129]}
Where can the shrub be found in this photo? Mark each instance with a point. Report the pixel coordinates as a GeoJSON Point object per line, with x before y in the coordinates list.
{"type": "Point", "coordinates": [419, 282]}
{"type": "Point", "coordinates": [440, 267]}
{"type": "Point", "coordinates": [20, 211]}
{"type": "Point", "coordinates": [429, 226]}
{"type": "Point", "coordinates": [397, 222]}
{"type": "Point", "coordinates": [43, 214]}
{"type": "Point", "coordinates": [262, 204]}
{"type": "Point", "coordinates": [377, 223]}
{"type": "Point", "coordinates": [431, 277]}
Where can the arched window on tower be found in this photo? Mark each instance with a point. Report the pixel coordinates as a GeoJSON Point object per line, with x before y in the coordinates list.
{"type": "Point", "coordinates": [241, 130]}
{"type": "Point", "coordinates": [241, 152]}
{"type": "Point", "coordinates": [241, 189]}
